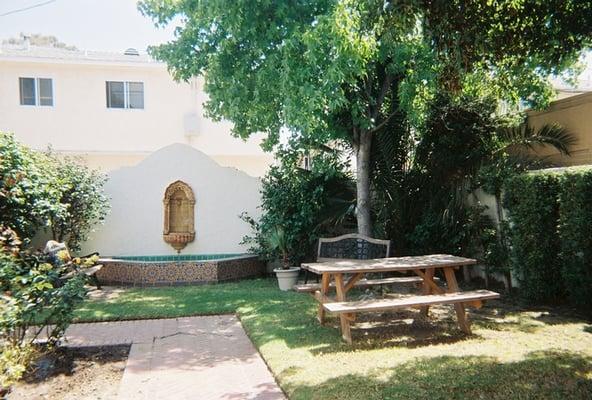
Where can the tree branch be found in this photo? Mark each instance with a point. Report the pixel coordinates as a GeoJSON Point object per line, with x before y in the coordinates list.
{"type": "Point", "coordinates": [383, 123]}
{"type": "Point", "coordinates": [386, 84]}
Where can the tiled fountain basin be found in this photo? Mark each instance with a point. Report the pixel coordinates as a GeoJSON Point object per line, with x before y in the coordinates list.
{"type": "Point", "coordinates": [178, 270]}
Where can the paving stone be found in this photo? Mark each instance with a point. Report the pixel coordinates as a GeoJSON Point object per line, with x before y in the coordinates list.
{"type": "Point", "coordinates": [208, 357]}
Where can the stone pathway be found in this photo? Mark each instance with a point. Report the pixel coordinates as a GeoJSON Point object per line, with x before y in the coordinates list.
{"type": "Point", "coordinates": [208, 357]}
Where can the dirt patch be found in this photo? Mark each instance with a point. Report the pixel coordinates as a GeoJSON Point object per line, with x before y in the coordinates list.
{"type": "Point", "coordinates": [74, 374]}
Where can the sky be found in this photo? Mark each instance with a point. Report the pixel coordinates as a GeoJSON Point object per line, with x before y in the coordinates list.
{"type": "Point", "coordinates": [107, 25]}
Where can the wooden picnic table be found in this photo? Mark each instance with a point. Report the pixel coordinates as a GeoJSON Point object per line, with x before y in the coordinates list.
{"type": "Point", "coordinates": [423, 266]}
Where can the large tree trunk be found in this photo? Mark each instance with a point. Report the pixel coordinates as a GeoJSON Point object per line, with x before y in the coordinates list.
{"type": "Point", "coordinates": [362, 149]}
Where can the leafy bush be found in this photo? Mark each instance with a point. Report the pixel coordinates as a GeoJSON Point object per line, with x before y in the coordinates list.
{"type": "Point", "coordinates": [421, 183]}
{"type": "Point", "coordinates": [551, 234]}
{"type": "Point", "coordinates": [14, 360]}
{"type": "Point", "coordinates": [534, 211]}
{"type": "Point", "coordinates": [84, 202]}
{"type": "Point", "coordinates": [36, 295]}
{"type": "Point", "coordinates": [40, 190]}
{"type": "Point", "coordinates": [29, 190]}
{"type": "Point", "coordinates": [303, 203]}
{"type": "Point", "coordinates": [575, 231]}
{"type": "Point", "coordinates": [36, 292]}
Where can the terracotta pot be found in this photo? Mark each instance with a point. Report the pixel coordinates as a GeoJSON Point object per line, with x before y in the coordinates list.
{"type": "Point", "coordinates": [287, 278]}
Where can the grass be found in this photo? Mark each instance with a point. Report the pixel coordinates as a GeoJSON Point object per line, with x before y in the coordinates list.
{"type": "Point", "coordinates": [513, 352]}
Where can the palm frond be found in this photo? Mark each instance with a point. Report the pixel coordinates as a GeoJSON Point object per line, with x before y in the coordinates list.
{"type": "Point", "coordinates": [526, 137]}
{"type": "Point", "coordinates": [341, 201]}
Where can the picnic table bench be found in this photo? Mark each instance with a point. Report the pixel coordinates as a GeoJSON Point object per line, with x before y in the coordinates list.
{"type": "Point", "coordinates": [313, 287]}
{"type": "Point", "coordinates": [333, 274]}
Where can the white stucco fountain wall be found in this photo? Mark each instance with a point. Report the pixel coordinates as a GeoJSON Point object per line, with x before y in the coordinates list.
{"type": "Point", "coordinates": [135, 224]}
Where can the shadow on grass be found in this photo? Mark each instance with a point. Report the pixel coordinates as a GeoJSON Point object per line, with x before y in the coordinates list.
{"type": "Point", "coordinates": [295, 324]}
{"type": "Point", "coordinates": [501, 315]}
{"type": "Point", "coordinates": [269, 314]}
{"type": "Point", "coordinates": [542, 375]}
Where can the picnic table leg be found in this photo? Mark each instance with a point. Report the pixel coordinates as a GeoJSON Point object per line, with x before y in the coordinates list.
{"type": "Point", "coordinates": [461, 315]}
{"type": "Point", "coordinates": [325, 281]}
{"type": "Point", "coordinates": [427, 289]}
{"type": "Point", "coordinates": [345, 327]}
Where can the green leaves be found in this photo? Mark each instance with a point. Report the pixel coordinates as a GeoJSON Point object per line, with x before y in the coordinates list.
{"type": "Point", "coordinates": [82, 195]}
{"type": "Point", "coordinates": [551, 234]}
{"type": "Point", "coordinates": [575, 231]}
{"type": "Point", "coordinates": [29, 188]}
{"type": "Point", "coordinates": [35, 294]}
{"type": "Point", "coordinates": [298, 65]}
{"type": "Point", "coordinates": [519, 42]}
{"type": "Point", "coordinates": [298, 205]}
{"type": "Point", "coordinates": [42, 190]}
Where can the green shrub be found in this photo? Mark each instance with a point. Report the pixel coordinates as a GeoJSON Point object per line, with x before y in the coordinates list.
{"type": "Point", "coordinates": [303, 203]}
{"type": "Point", "coordinates": [29, 190]}
{"type": "Point", "coordinates": [533, 213]}
{"type": "Point", "coordinates": [83, 199]}
{"type": "Point", "coordinates": [42, 191]}
{"type": "Point", "coordinates": [550, 232]}
{"type": "Point", "coordinates": [35, 292]}
{"type": "Point", "coordinates": [575, 230]}
{"type": "Point", "coordinates": [14, 360]}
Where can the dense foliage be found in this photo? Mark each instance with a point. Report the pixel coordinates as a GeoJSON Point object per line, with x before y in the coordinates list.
{"type": "Point", "coordinates": [300, 204]}
{"type": "Point", "coordinates": [36, 291]}
{"type": "Point", "coordinates": [343, 69]}
{"type": "Point", "coordinates": [40, 191]}
{"type": "Point", "coordinates": [28, 188]}
{"type": "Point", "coordinates": [533, 211]}
{"type": "Point", "coordinates": [551, 234]}
{"type": "Point", "coordinates": [43, 191]}
{"type": "Point", "coordinates": [575, 233]}
{"type": "Point", "coordinates": [421, 191]}
{"type": "Point", "coordinates": [85, 204]}
{"type": "Point", "coordinates": [37, 294]}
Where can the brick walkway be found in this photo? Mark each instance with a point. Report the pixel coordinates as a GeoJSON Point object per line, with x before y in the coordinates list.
{"type": "Point", "coordinates": [183, 358]}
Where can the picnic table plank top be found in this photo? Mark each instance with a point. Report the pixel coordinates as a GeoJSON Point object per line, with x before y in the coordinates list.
{"type": "Point", "coordinates": [388, 264]}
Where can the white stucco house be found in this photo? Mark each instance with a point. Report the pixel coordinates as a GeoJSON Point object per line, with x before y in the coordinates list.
{"type": "Point", "coordinates": [124, 114]}
{"type": "Point", "coordinates": [111, 109]}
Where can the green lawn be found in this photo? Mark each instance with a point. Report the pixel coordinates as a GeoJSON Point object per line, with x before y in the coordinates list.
{"type": "Point", "coordinates": [513, 353]}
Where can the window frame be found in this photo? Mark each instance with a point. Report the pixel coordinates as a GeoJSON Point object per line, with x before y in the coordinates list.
{"type": "Point", "coordinates": [38, 80]}
{"type": "Point", "coordinates": [126, 95]}
{"type": "Point", "coordinates": [37, 92]}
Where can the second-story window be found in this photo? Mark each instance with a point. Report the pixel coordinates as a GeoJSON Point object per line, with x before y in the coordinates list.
{"type": "Point", "coordinates": [125, 94]}
{"type": "Point", "coordinates": [36, 91]}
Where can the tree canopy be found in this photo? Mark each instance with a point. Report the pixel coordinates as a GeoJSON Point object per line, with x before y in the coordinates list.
{"type": "Point", "coordinates": [346, 69]}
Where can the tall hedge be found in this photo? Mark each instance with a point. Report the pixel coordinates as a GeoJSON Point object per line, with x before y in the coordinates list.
{"type": "Point", "coordinates": [534, 212]}
{"type": "Point", "coordinates": [550, 216]}
{"type": "Point", "coordinates": [575, 229]}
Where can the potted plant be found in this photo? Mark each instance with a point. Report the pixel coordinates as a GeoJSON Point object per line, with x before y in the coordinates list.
{"type": "Point", "coordinates": [287, 275]}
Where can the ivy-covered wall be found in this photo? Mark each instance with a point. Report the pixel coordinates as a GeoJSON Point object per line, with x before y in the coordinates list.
{"type": "Point", "coordinates": [550, 215]}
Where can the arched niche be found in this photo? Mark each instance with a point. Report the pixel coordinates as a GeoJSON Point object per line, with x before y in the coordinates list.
{"type": "Point", "coordinates": [179, 215]}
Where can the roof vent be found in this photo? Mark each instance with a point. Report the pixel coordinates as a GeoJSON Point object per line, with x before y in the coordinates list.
{"type": "Point", "coordinates": [131, 52]}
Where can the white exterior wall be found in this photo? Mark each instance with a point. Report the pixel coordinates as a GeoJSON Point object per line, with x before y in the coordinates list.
{"type": "Point", "coordinates": [135, 223]}
{"type": "Point", "coordinates": [80, 123]}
